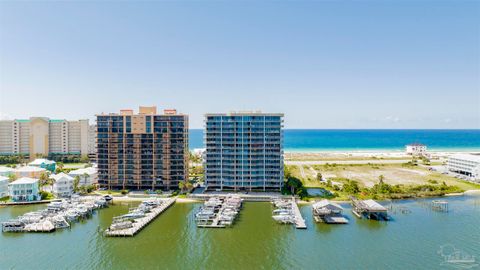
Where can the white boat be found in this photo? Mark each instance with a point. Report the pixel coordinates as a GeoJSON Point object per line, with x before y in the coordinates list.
{"type": "Point", "coordinates": [121, 225]}
{"type": "Point", "coordinates": [284, 218]}
{"type": "Point", "coordinates": [134, 215]}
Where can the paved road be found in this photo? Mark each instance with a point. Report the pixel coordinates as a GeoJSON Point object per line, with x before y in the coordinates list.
{"type": "Point", "coordinates": [373, 161]}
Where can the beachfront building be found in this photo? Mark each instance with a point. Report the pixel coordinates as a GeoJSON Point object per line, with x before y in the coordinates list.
{"type": "Point", "coordinates": [43, 136]}
{"type": "Point", "coordinates": [466, 164]}
{"type": "Point", "coordinates": [416, 149]}
{"type": "Point", "coordinates": [24, 189]}
{"type": "Point", "coordinates": [63, 185]}
{"type": "Point", "coordinates": [44, 163]}
{"type": "Point", "coordinates": [142, 151]}
{"type": "Point", "coordinates": [244, 151]}
{"type": "Point", "coordinates": [6, 171]}
{"type": "Point", "coordinates": [30, 171]}
{"type": "Point", "coordinates": [3, 186]}
{"type": "Point", "coordinates": [87, 176]}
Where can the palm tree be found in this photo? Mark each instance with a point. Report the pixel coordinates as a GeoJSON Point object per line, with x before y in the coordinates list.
{"type": "Point", "coordinates": [12, 177]}
{"type": "Point", "coordinates": [44, 179]}
{"type": "Point", "coordinates": [76, 180]}
{"type": "Point", "coordinates": [181, 185]}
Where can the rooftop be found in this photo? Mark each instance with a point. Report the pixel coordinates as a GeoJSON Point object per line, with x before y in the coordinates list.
{"type": "Point", "coordinates": [24, 180]}
{"type": "Point", "coordinates": [373, 205]}
{"type": "Point", "coordinates": [469, 157]}
{"type": "Point", "coordinates": [4, 169]}
{"type": "Point", "coordinates": [40, 161]}
{"type": "Point", "coordinates": [244, 113]}
{"type": "Point", "coordinates": [60, 175]}
{"type": "Point", "coordinates": [89, 170]}
{"type": "Point", "coordinates": [30, 169]}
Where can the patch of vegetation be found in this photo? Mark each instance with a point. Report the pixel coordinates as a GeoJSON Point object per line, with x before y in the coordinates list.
{"type": "Point", "coordinates": [5, 199]}
{"type": "Point", "coordinates": [46, 195]}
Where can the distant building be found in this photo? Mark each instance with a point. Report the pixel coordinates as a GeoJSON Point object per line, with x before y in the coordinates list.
{"type": "Point", "coordinates": [44, 136]}
{"type": "Point", "coordinates": [44, 163]}
{"type": "Point", "coordinates": [6, 171]}
{"type": "Point", "coordinates": [87, 176]}
{"type": "Point", "coordinates": [30, 171]}
{"type": "Point", "coordinates": [63, 185]}
{"type": "Point", "coordinates": [142, 151]}
{"type": "Point", "coordinates": [24, 189]}
{"type": "Point", "coordinates": [416, 149]}
{"type": "Point", "coordinates": [244, 151]}
{"type": "Point", "coordinates": [466, 164]}
{"type": "Point", "coordinates": [3, 186]}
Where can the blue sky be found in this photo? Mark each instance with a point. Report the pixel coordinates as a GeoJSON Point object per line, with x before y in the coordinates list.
{"type": "Point", "coordinates": [363, 64]}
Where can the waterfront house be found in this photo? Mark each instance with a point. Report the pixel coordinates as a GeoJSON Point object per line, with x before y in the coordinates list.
{"type": "Point", "coordinates": [63, 185]}
{"type": "Point", "coordinates": [24, 189]}
{"type": "Point", "coordinates": [88, 176]}
{"type": "Point", "coordinates": [44, 163]}
{"type": "Point", "coordinates": [30, 171]}
{"type": "Point", "coordinates": [416, 149]}
{"type": "Point", "coordinates": [3, 186]}
{"type": "Point", "coordinates": [6, 171]}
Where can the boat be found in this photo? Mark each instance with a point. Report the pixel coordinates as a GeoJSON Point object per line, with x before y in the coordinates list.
{"type": "Point", "coordinates": [284, 218]}
{"type": "Point", "coordinates": [108, 198]}
{"type": "Point", "coordinates": [121, 225]}
{"type": "Point", "coordinates": [134, 215]}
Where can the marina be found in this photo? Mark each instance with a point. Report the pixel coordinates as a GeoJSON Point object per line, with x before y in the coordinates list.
{"type": "Point", "coordinates": [254, 229]}
{"type": "Point", "coordinates": [58, 215]}
{"type": "Point", "coordinates": [219, 212]}
{"type": "Point", "coordinates": [287, 212]}
{"type": "Point", "coordinates": [138, 218]}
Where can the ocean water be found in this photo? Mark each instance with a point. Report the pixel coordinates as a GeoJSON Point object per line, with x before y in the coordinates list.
{"type": "Point", "coordinates": [419, 239]}
{"type": "Point", "coordinates": [311, 140]}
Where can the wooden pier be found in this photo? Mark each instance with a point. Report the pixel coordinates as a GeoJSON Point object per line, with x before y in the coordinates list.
{"type": "Point", "coordinates": [369, 209]}
{"type": "Point", "coordinates": [140, 223]}
{"type": "Point", "coordinates": [299, 221]}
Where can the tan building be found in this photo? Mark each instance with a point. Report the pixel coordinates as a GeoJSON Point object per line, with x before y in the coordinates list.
{"type": "Point", "coordinates": [44, 136]}
{"type": "Point", "coordinates": [142, 151]}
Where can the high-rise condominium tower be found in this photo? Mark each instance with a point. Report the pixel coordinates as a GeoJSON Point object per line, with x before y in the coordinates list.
{"type": "Point", "coordinates": [244, 151]}
{"type": "Point", "coordinates": [142, 151]}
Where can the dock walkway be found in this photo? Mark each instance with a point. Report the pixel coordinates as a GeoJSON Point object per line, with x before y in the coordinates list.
{"type": "Point", "coordinates": [142, 222]}
{"type": "Point", "coordinates": [299, 221]}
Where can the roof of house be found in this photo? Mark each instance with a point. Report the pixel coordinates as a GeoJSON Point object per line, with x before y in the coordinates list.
{"type": "Point", "coordinates": [373, 205]}
{"type": "Point", "coordinates": [325, 203]}
{"type": "Point", "coordinates": [3, 178]}
{"type": "Point", "coordinates": [89, 171]}
{"type": "Point", "coordinates": [6, 169]}
{"type": "Point", "coordinates": [30, 169]}
{"type": "Point", "coordinates": [60, 176]}
{"type": "Point", "coordinates": [24, 180]}
{"type": "Point", "coordinates": [40, 161]}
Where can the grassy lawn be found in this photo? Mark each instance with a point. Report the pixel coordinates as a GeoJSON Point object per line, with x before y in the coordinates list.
{"type": "Point", "coordinates": [368, 174]}
{"type": "Point", "coordinates": [110, 192]}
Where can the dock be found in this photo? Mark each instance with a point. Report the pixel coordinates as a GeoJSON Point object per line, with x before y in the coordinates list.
{"type": "Point", "coordinates": [369, 209]}
{"type": "Point", "coordinates": [299, 221]}
{"type": "Point", "coordinates": [141, 223]}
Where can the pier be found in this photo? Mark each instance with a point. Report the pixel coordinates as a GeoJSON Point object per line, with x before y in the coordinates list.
{"type": "Point", "coordinates": [141, 222]}
{"type": "Point", "coordinates": [299, 221]}
{"type": "Point", "coordinates": [219, 212]}
{"type": "Point", "coordinates": [369, 208]}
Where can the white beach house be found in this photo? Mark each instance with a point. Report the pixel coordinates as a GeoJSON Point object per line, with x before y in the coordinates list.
{"type": "Point", "coordinates": [416, 149]}
{"type": "Point", "coordinates": [466, 164]}
{"type": "Point", "coordinates": [3, 186]}
{"type": "Point", "coordinates": [24, 189]}
{"type": "Point", "coordinates": [6, 171]}
{"type": "Point", "coordinates": [88, 176]}
{"type": "Point", "coordinates": [44, 163]}
{"type": "Point", "coordinates": [30, 171]}
{"type": "Point", "coordinates": [63, 186]}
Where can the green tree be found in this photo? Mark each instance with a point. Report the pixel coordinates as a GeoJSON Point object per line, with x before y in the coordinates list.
{"type": "Point", "coordinates": [319, 177]}
{"type": "Point", "coordinates": [76, 181]}
{"type": "Point", "coordinates": [12, 177]}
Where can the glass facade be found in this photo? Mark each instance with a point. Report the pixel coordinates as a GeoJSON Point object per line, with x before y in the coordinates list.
{"type": "Point", "coordinates": [153, 155]}
{"type": "Point", "coordinates": [244, 151]}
